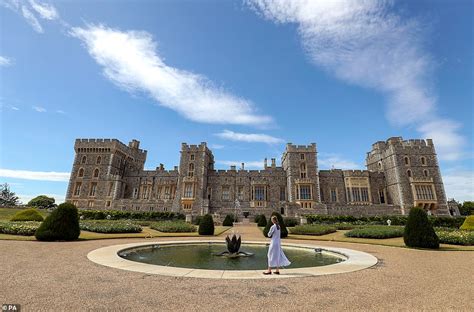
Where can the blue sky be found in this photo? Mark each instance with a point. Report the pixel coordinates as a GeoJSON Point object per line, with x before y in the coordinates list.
{"type": "Point", "coordinates": [245, 76]}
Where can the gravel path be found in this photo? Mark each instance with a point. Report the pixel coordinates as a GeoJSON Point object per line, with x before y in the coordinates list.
{"type": "Point", "coordinates": [58, 276]}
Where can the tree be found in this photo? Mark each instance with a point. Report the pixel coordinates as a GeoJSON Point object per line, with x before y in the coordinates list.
{"type": "Point", "coordinates": [42, 201]}
{"type": "Point", "coordinates": [419, 231]}
{"type": "Point", "coordinates": [61, 224]}
{"type": "Point", "coordinates": [7, 197]}
{"type": "Point", "coordinates": [467, 208]}
{"type": "Point", "coordinates": [206, 226]}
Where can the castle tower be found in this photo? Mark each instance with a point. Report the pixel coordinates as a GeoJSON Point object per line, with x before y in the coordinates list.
{"type": "Point", "coordinates": [98, 171]}
{"type": "Point", "coordinates": [412, 173]}
{"type": "Point", "coordinates": [301, 166]}
{"type": "Point", "coordinates": [195, 162]}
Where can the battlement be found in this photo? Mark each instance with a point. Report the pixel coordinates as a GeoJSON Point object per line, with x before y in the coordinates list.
{"type": "Point", "coordinates": [300, 148]}
{"type": "Point", "coordinates": [195, 148]}
{"type": "Point", "coordinates": [109, 143]}
{"type": "Point", "coordinates": [355, 173]}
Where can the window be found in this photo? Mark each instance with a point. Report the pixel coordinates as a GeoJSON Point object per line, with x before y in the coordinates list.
{"type": "Point", "coordinates": [282, 193]}
{"type": "Point", "coordinates": [333, 195]}
{"type": "Point", "coordinates": [192, 157]}
{"type": "Point", "coordinates": [75, 202]}
{"type": "Point", "coordinates": [167, 192]}
{"type": "Point", "coordinates": [302, 156]}
{"type": "Point", "coordinates": [135, 192]}
{"type": "Point", "coordinates": [356, 194]}
{"type": "Point", "coordinates": [77, 189]}
{"type": "Point", "coordinates": [304, 192]}
{"type": "Point", "coordinates": [425, 173]}
{"type": "Point", "coordinates": [409, 173]}
{"type": "Point", "coordinates": [99, 160]}
{"type": "Point", "coordinates": [151, 209]}
{"type": "Point", "coordinates": [382, 196]}
{"type": "Point", "coordinates": [423, 161]}
{"type": "Point", "coordinates": [188, 190]}
{"type": "Point", "coordinates": [364, 192]}
{"type": "Point", "coordinates": [96, 173]}
{"type": "Point", "coordinates": [380, 165]}
{"type": "Point", "coordinates": [93, 189]}
{"type": "Point", "coordinates": [158, 192]}
{"type": "Point", "coordinates": [303, 170]}
{"type": "Point", "coordinates": [225, 193]}
{"type": "Point", "coordinates": [240, 193]}
{"type": "Point", "coordinates": [191, 170]}
{"type": "Point", "coordinates": [107, 203]}
{"type": "Point", "coordinates": [187, 206]}
{"type": "Point", "coordinates": [407, 160]}
{"type": "Point", "coordinates": [424, 192]}
{"type": "Point", "coordinates": [84, 159]}
{"type": "Point", "coordinates": [259, 193]}
{"type": "Point", "coordinates": [80, 174]}
{"type": "Point", "coordinates": [90, 203]}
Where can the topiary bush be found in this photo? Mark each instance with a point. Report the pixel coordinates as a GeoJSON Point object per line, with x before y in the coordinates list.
{"type": "Point", "coordinates": [173, 227]}
{"type": "Point", "coordinates": [283, 229]}
{"type": "Point", "coordinates": [206, 225]}
{"type": "Point", "coordinates": [468, 224]}
{"type": "Point", "coordinates": [376, 231]}
{"type": "Point", "coordinates": [229, 220]}
{"type": "Point", "coordinates": [290, 222]}
{"type": "Point", "coordinates": [262, 221]}
{"type": "Point", "coordinates": [27, 215]}
{"type": "Point", "coordinates": [197, 220]}
{"type": "Point", "coordinates": [419, 231]}
{"type": "Point", "coordinates": [61, 224]}
{"type": "Point", "coordinates": [312, 229]}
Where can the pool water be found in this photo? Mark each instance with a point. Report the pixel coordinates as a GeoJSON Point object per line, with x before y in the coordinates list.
{"type": "Point", "coordinates": [202, 256]}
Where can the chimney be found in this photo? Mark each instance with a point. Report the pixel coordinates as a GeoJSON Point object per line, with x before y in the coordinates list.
{"type": "Point", "coordinates": [242, 166]}
{"type": "Point", "coordinates": [232, 167]}
{"type": "Point", "coordinates": [273, 163]}
{"type": "Point", "coordinates": [265, 164]}
{"type": "Point", "coordinates": [175, 168]}
{"type": "Point", "coordinates": [162, 167]}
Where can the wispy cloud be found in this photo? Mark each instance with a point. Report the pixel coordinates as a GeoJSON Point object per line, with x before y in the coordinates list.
{"type": "Point", "coordinates": [130, 59]}
{"type": "Point", "coordinates": [217, 146]}
{"type": "Point", "coordinates": [256, 164]}
{"type": "Point", "coordinates": [366, 43]}
{"type": "Point", "coordinates": [336, 161]}
{"type": "Point", "coordinates": [459, 184]}
{"type": "Point", "coordinates": [5, 61]}
{"type": "Point", "coordinates": [60, 112]}
{"type": "Point", "coordinates": [39, 109]}
{"type": "Point", "coordinates": [35, 175]}
{"type": "Point", "coordinates": [32, 11]}
{"type": "Point", "coordinates": [248, 137]}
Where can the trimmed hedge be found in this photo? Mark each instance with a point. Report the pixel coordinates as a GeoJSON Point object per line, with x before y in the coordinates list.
{"type": "Point", "coordinates": [376, 231]}
{"type": "Point", "coordinates": [25, 228]}
{"type": "Point", "coordinates": [206, 225]}
{"type": "Point", "coordinates": [283, 229]}
{"type": "Point", "coordinates": [261, 220]}
{"type": "Point", "coordinates": [228, 220]}
{"type": "Point", "coordinates": [455, 237]}
{"type": "Point", "coordinates": [61, 224]}
{"type": "Point", "coordinates": [197, 220]}
{"type": "Point", "coordinates": [419, 231]}
{"type": "Point", "coordinates": [468, 224]}
{"type": "Point", "coordinates": [106, 226]}
{"type": "Point", "coordinates": [173, 227]}
{"type": "Point", "coordinates": [312, 229]}
{"type": "Point", "coordinates": [27, 215]}
{"type": "Point", "coordinates": [132, 215]}
{"type": "Point", "coordinates": [291, 222]}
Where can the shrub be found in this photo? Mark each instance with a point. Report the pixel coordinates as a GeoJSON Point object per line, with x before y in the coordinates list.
{"type": "Point", "coordinates": [450, 222]}
{"type": "Point", "coordinates": [229, 220]}
{"type": "Point", "coordinates": [262, 221]}
{"type": "Point", "coordinates": [61, 224]}
{"type": "Point", "coordinates": [42, 201]}
{"type": "Point", "coordinates": [25, 228]}
{"type": "Point", "coordinates": [106, 226]}
{"type": "Point", "coordinates": [197, 220]}
{"type": "Point", "coordinates": [468, 224]}
{"type": "Point", "coordinates": [376, 231]}
{"type": "Point", "coordinates": [131, 215]}
{"type": "Point", "coordinates": [283, 229]}
{"type": "Point", "coordinates": [290, 222]}
{"type": "Point", "coordinates": [345, 226]}
{"type": "Point", "coordinates": [455, 237]}
{"type": "Point", "coordinates": [27, 215]}
{"type": "Point", "coordinates": [419, 231]}
{"type": "Point", "coordinates": [313, 229]}
{"type": "Point", "coordinates": [173, 227]}
{"type": "Point", "coordinates": [206, 225]}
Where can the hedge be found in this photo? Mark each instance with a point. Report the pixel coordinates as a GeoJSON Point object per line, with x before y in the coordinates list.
{"type": "Point", "coordinates": [228, 220]}
{"type": "Point", "coordinates": [132, 215]}
{"type": "Point", "coordinates": [261, 220]}
{"type": "Point", "coordinates": [468, 224]}
{"type": "Point", "coordinates": [455, 237]}
{"type": "Point", "coordinates": [25, 228]}
{"type": "Point", "coordinates": [173, 227]}
{"type": "Point", "coordinates": [206, 225]}
{"type": "Point", "coordinates": [290, 222]}
{"type": "Point", "coordinates": [61, 224]}
{"type": "Point", "coordinates": [106, 226]}
{"type": "Point", "coordinates": [312, 229]}
{"type": "Point", "coordinates": [31, 214]}
{"type": "Point", "coordinates": [376, 231]}
{"type": "Point", "coordinates": [419, 231]}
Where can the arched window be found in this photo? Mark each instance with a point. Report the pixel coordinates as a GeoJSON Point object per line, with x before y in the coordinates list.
{"type": "Point", "coordinates": [425, 172]}
{"type": "Point", "coordinates": [407, 160]}
{"type": "Point", "coordinates": [96, 173]}
{"type": "Point", "coordinates": [80, 174]}
{"type": "Point", "coordinates": [409, 173]}
{"type": "Point", "coordinates": [99, 160]}
{"type": "Point", "coordinates": [423, 161]}
{"type": "Point", "coordinates": [380, 165]}
{"type": "Point", "coordinates": [83, 160]}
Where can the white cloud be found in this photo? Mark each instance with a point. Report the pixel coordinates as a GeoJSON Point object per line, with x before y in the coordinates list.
{"type": "Point", "coordinates": [25, 198]}
{"type": "Point", "coordinates": [39, 109]}
{"type": "Point", "coordinates": [130, 59]}
{"type": "Point", "coordinates": [366, 43]}
{"type": "Point", "coordinates": [216, 146]}
{"type": "Point", "coordinates": [5, 61]}
{"type": "Point", "coordinates": [459, 184]}
{"type": "Point", "coordinates": [248, 164]}
{"type": "Point", "coordinates": [32, 10]}
{"type": "Point", "coordinates": [249, 137]}
{"type": "Point", "coordinates": [330, 160]}
{"type": "Point", "coordinates": [45, 10]}
{"type": "Point", "coordinates": [14, 108]}
{"type": "Point", "coordinates": [35, 175]}
{"type": "Point", "coordinates": [60, 112]}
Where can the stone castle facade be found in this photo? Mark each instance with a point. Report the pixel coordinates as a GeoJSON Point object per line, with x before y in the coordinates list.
{"type": "Point", "coordinates": [107, 174]}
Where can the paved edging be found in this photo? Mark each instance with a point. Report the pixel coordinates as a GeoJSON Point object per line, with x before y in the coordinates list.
{"type": "Point", "coordinates": [108, 256]}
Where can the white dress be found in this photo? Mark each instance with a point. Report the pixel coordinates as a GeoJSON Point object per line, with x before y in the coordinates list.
{"type": "Point", "coordinates": [276, 257]}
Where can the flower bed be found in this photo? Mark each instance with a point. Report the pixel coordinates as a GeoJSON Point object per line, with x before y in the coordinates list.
{"type": "Point", "coordinates": [106, 226]}
{"type": "Point", "coordinates": [133, 215]}
{"type": "Point", "coordinates": [312, 229]}
{"type": "Point", "coordinates": [455, 237]}
{"type": "Point", "coordinates": [173, 227]}
{"type": "Point", "coordinates": [376, 231]}
{"type": "Point", "coordinates": [25, 228]}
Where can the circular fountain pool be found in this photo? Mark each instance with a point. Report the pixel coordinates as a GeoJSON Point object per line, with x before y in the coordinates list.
{"type": "Point", "coordinates": [204, 256]}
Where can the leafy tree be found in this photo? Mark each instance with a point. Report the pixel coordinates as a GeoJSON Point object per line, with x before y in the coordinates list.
{"type": "Point", "coordinates": [467, 208]}
{"type": "Point", "coordinates": [7, 197]}
{"type": "Point", "coordinates": [42, 201]}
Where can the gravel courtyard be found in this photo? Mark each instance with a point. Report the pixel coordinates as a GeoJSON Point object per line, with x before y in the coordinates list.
{"type": "Point", "coordinates": [58, 276]}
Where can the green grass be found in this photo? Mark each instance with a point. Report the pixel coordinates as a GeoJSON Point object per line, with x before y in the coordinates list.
{"type": "Point", "coordinates": [7, 213]}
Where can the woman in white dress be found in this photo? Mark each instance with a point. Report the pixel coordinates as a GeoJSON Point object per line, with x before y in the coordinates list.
{"type": "Point", "coordinates": [276, 256]}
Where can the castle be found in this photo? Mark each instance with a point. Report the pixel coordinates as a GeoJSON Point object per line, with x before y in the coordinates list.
{"type": "Point", "coordinates": [107, 174]}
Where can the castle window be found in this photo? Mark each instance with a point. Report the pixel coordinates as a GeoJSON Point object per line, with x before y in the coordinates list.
{"type": "Point", "coordinates": [107, 203]}
{"type": "Point", "coordinates": [407, 160]}
{"type": "Point", "coordinates": [80, 173]}
{"type": "Point", "coordinates": [380, 165]}
{"type": "Point", "coordinates": [302, 156]}
{"type": "Point", "coordinates": [96, 173]}
{"type": "Point", "coordinates": [158, 192]}
{"type": "Point", "coordinates": [304, 191]}
{"type": "Point", "coordinates": [382, 196]}
{"type": "Point", "coordinates": [167, 192]}
{"type": "Point", "coordinates": [303, 170]}
{"type": "Point", "coordinates": [364, 194]}
{"type": "Point", "coordinates": [99, 160]}
{"type": "Point", "coordinates": [77, 189]}
{"type": "Point", "coordinates": [191, 170]}
{"type": "Point", "coordinates": [424, 192]}
{"type": "Point", "coordinates": [151, 208]}
{"type": "Point", "coordinates": [84, 159]}
{"type": "Point", "coordinates": [90, 203]}
{"type": "Point", "coordinates": [135, 192]}
{"type": "Point", "coordinates": [192, 157]}
{"type": "Point", "coordinates": [356, 194]}
{"type": "Point", "coordinates": [173, 191]}
{"type": "Point", "coordinates": [137, 208]}
{"type": "Point", "coordinates": [188, 190]}
{"type": "Point", "coordinates": [93, 189]}
{"type": "Point", "coordinates": [425, 172]}
{"type": "Point", "coordinates": [409, 173]}
{"type": "Point", "coordinates": [423, 161]}
{"type": "Point", "coordinates": [240, 193]}
{"type": "Point", "coordinates": [225, 193]}
{"type": "Point", "coordinates": [75, 202]}
{"type": "Point", "coordinates": [282, 193]}
{"type": "Point", "coordinates": [333, 195]}
{"type": "Point", "coordinates": [111, 186]}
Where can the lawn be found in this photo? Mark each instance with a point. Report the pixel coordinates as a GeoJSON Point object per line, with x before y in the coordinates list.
{"type": "Point", "coordinates": [7, 213]}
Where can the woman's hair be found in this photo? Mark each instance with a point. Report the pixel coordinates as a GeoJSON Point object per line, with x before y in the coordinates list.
{"type": "Point", "coordinates": [275, 220]}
